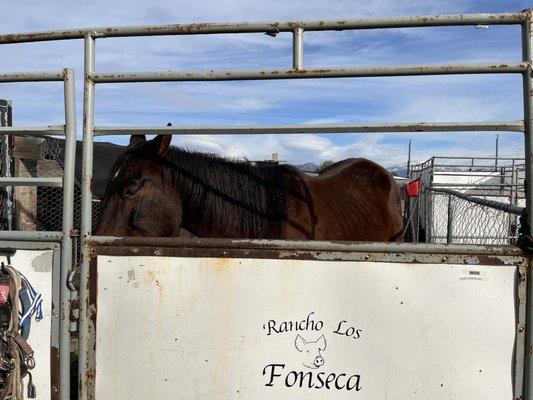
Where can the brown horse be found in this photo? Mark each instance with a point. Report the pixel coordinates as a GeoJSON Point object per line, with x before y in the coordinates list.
{"type": "Point", "coordinates": [155, 190]}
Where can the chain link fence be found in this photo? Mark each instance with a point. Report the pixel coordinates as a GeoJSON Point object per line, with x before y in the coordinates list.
{"type": "Point", "coordinates": [36, 208]}
{"type": "Point", "coordinates": [453, 217]}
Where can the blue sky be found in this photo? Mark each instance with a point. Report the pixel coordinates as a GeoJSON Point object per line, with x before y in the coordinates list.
{"type": "Point", "coordinates": [366, 100]}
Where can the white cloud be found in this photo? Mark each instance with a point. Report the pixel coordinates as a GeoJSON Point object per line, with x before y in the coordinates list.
{"type": "Point", "coordinates": [478, 98]}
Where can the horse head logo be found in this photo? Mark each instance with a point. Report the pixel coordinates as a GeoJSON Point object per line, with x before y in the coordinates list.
{"type": "Point", "coordinates": [311, 352]}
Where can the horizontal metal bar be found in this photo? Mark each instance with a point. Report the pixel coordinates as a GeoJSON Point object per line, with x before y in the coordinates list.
{"type": "Point", "coordinates": [477, 237]}
{"type": "Point", "coordinates": [478, 158]}
{"type": "Point", "coordinates": [478, 174]}
{"type": "Point", "coordinates": [289, 245]}
{"type": "Point", "coordinates": [488, 166]}
{"type": "Point", "coordinates": [25, 245]}
{"type": "Point", "coordinates": [45, 182]}
{"type": "Point", "coordinates": [515, 126]}
{"type": "Point", "coordinates": [492, 192]}
{"type": "Point", "coordinates": [45, 236]}
{"type": "Point", "coordinates": [356, 72]}
{"type": "Point", "coordinates": [509, 208]}
{"type": "Point", "coordinates": [31, 77]}
{"type": "Point", "coordinates": [49, 130]}
{"type": "Point", "coordinates": [274, 27]}
{"type": "Point", "coordinates": [478, 185]}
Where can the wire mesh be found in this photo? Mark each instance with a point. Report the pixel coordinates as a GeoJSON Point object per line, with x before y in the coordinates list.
{"type": "Point", "coordinates": [38, 208]}
{"type": "Point", "coordinates": [456, 220]}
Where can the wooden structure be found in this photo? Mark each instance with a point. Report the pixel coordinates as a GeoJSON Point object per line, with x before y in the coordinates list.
{"type": "Point", "coordinates": [29, 161]}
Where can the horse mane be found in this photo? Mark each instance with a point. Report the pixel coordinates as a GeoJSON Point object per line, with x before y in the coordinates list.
{"type": "Point", "coordinates": [239, 198]}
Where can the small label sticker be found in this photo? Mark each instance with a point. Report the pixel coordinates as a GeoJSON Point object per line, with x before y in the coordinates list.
{"type": "Point", "coordinates": [473, 275]}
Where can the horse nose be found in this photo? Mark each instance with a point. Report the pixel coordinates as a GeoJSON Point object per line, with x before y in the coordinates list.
{"type": "Point", "coordinates": [319, 361]}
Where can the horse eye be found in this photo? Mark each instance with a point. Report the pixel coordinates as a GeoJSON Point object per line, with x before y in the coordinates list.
{"type": "Point", "coordinates": [132, 189]}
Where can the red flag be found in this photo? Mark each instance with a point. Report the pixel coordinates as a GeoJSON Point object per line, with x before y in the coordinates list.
{"type": "Point", "coordinates": [413, 188]}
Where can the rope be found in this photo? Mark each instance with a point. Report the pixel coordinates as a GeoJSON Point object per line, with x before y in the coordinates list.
{"type": "Point", "coordinates": [36, 302]}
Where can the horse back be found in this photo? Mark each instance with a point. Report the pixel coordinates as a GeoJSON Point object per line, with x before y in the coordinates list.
{"type": "Point", "coordinates": [355, 199]}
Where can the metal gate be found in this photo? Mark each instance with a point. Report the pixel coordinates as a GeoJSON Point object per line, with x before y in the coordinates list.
{"type": "Point", "coordinates": [96, 248]}
{"type": "Point", "coordinates": [27, 242]}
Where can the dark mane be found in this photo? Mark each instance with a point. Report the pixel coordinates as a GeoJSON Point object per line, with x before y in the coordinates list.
{"type": "Point", "coordinates": [245, 200]}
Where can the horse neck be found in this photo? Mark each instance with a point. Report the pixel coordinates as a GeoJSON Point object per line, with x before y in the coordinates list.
{"type": "Point", "coordinates": [224, 199]}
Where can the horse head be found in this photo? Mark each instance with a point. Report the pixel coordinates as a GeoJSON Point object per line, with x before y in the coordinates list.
{"type": "Point", "coordinates": [139, 200]}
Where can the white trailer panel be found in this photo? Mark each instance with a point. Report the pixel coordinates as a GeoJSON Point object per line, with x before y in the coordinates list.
{"type": "Point", "coordinates": [207, 328]}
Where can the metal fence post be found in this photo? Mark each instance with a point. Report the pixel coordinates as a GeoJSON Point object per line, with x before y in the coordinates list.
{"type": "Point", "coordinates": [527, 51]}
{"type": "Point", "coordinates": [297, 48]}
{"type": "Point", "coordinates": [449, 226]}
{"type": "Point", "coordinates": [86, 213]}
{"type": "Point", "coordinates": [7, 200]}
{"type": "Point", "coordinates": [68, 224]}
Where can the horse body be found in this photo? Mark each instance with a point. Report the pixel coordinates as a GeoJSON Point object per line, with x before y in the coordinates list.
{"type": "Point", "coordinates": [355, 199]}
{"type": "Point", "coordinates": [155, 190]}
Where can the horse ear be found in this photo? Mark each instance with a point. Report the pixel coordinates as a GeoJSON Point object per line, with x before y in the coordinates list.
{"type": "Point", "coordinates": [137, 139]}
{"type": "Point", "coordinates": [161, 143]}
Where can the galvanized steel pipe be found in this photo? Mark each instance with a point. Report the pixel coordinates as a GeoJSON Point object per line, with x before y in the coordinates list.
{"type": "Point", "coordinates": [32, 236]}
{"type": "Point", "coordinates": [358, 72]}
{"type": "Point", "coordinates": [505, 126]}
{"type": "Point", "coordinates": [297, 48]}
{"type": "Point", "coordinates": [49, 130]}
{"type": "Point", "coordinates": [527, 52]}
{"type": "Point", "coordinates": [68, 226]}
{"type": "Point", "coordinates": [86, 214]}
{"type": "Point", "coordinates": [44, 182]}
{"type": "Point", "coordinates": [261, 27]}
{"type": "Point", "coordinates": [31, 77]}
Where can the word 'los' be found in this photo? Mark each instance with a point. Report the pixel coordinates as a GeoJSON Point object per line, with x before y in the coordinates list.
{"type": "Point", "coordinates": [310, 380]}
{"type": "Point", "coordinates": [349, 331]}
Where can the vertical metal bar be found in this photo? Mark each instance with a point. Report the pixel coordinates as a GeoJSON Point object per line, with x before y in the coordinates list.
{"type": "Point", "coordinates": [409, 160]}
{"type": "Point", "coordinates": [527, 49]}
{"type": "Point", "coordinates": [7, 120]}
{"type": "Point", "coordinates": [55, 340]}
{"type": "Point", "coordinates": [68, 224]}
{"type": "Point", "coordinates": [297, 48]}
{"type": "Point", "coordinates": [9, 171]}
{"type": "Point", "coordinates": [527, 54]}
{"type": "Point", "coordinates": [417, 208]}
{"type": "Point", "coordinates": [497, 148]}
{"type": "Point", "coordinates": [431, 172]}
{"type": "Point", "coordinates": [513, 199]}
{"type": "Point", "coordinates": [449, 227]}
{"type": "Point", "coordinates": [431, 198]}
{"type": "Point", "coordinates": [520, 340]}
{"type": "Point", "coordinates": [86, 213]}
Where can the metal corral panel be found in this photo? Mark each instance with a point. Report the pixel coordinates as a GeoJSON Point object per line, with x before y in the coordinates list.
{"type": "Point", "coordinates": [467, 178]}
{"type": "Point", "coordinates": [207, 328]}
{"type": "Point", "coordinates": [37, 266]}
{"type": "Point", "coordinates": [471, 223]}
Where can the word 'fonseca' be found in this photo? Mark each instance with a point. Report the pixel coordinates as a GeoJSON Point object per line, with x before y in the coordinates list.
{"type": "Point", "coordinates": [307, 324]}
{"type": "Point", "coordinates": [310, 380]}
